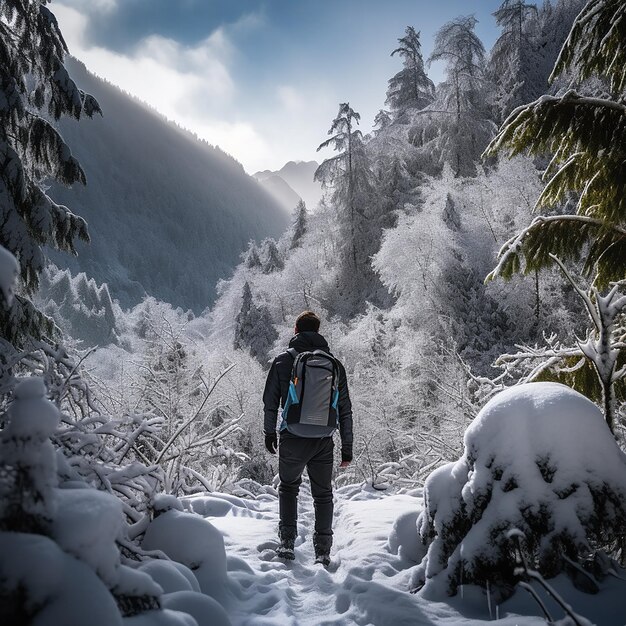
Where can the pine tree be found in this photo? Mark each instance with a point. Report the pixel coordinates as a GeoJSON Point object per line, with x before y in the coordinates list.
{"type": "Point", "coordinates": [410, 88]}
{"type": "Point", "coordinates": [347, 171]}
{"type": "Point", "coordinates": [254, 330]}
{"type": "Point", "coordinates": [251, 259]}
{"type": "Point", "coordinates": [459, 112]}
{"type": "Point", "coordinates": [587, 136]}
{"type": "Point", "coordinates": [360, 212]}
{"type": "Point", "coordinates": [513, 60]}
{"type": "Point", "coordinates": [382, 120]}
{"type": "Point", "coordinates": [273, 260]}
{"type": "Point", "coordinates": [34, 87]}
{"type": "Point", "coordinates": [299, 226]}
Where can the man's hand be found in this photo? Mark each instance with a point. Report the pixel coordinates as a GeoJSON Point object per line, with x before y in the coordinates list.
{"type": "Point", "coordinates": [346, 455]}
{"type": "Point", "coordinates": [271, 443]}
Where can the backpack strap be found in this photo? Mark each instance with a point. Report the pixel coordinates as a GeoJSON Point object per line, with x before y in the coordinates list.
{"type": "Point", "coordinates": [293, 352]}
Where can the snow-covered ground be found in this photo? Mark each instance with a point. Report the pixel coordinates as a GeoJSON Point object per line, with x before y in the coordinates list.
{"type": "Point", "coordinates": [368, 579]}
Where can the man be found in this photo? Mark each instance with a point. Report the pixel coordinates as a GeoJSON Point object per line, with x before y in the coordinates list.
{"type": "Point", "coordinates": [302, 445]}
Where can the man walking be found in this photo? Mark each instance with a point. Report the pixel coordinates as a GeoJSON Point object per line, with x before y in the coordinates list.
{"type": "Point", "coordinates": [311, 387]}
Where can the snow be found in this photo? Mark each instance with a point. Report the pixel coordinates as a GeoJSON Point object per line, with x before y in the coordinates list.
{"type": "Point", "coordinates": [167, 617]}
{"type": "Point", "coordinates": [192, 541]}
{"type": "Point", "coordinates": [205, 610]}
{"type": "Point", "coordinates": [58, 588]}
{"type": "Point", "coordinates": [536, 450]}
{"type": "Point", "coordinates": [9, 270]}
{"type": "Point", "coordinates": [86, 525]}
{"type": "Point", "coordinates": [168, 576]}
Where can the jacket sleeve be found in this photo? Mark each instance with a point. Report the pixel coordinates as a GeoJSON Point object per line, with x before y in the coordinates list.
{"type": "Point", "coordinates": [345, 408]}
{"type": "Point", "coordinates": [271, 400]}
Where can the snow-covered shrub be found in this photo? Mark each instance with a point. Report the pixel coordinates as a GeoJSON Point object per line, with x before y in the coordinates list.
{"type": "Point", "coordinates": [71, 532]}
{"type": "Point", "coordinates": [191, 540]}
{"type": "Point", "coordinates": [540, 458]}
{"type": "Point", "coordinates": [27, 460]}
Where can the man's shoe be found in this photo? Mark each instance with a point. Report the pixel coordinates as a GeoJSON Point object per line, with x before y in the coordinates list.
{"type": "Point", "coordinates": [286, 548]}
{"type": "Point", "coordinates": [323, 559]}
{"type": "Point", "coordinates": [285, 552]}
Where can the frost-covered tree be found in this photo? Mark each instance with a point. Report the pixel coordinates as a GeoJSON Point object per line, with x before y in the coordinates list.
{"type": "Point", "coordinates": [513, 59]}
{"type": "Point", "coordinates": [299, 226]}
{"type": "Point", "coordinates": [273, 260]}
{"type": "Point", "coordinates": [254, 330]}
{"type": "Point", "coordinates": [360, 215]}
{"type": "Point", "coordinates": [410, 88]}
{"type": "Point", "coordinates": [251, 259]}
{"type": "Point", "coordinates": [586, 136]}
{"type": "Point", "coordinates": [382, 120]}
{"type": "Point", "coordinates": [81, 309]}
{"type": "Point", "coordinates": [35, 88]}
{"type": "Point", "coordinates": [459, 127]}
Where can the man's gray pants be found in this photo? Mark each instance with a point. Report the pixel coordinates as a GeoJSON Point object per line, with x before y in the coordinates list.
{"type": "Point", "coordinates": [294, 454]}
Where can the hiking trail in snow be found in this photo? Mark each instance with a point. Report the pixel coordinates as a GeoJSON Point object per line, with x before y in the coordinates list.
{"type": "Point", "coordinates": [366, 583]}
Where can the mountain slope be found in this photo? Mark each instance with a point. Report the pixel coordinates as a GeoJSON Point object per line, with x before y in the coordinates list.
{"type": "Point", "coordinates": [279, 189]}
{"type": "Point", "coordinates": [168, 214]}
{"type": "Point", "coordinates": [297, 175]}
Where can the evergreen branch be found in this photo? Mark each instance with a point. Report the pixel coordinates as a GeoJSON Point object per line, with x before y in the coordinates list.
{"type": "Point", "coordinates": [564, 236]}
{"type": "Point", "coordinates": [595, 44]}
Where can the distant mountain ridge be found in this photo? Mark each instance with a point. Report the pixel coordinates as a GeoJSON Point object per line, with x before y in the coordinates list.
{"type": "Point", "coordinates": [293, 181]}
{"type": "Point", "coordinates": [168, 214]}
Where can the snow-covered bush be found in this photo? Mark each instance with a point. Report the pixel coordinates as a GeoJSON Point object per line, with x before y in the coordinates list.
{"type": "Point", "coordinates": [539, 458]}
{"type": "Point", "coordinates": [65, 552]}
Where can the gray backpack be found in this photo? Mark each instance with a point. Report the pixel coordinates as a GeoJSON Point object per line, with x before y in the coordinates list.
{"type": "Point", "coordinates": [312, 406]}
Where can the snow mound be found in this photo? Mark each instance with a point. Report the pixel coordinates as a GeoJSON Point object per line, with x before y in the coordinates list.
{"type": "Point", "coordinates": [208, 506]}
{"type": "Point", "coordinates": [86, 525]}
{"type": "Point", "coordinates": [50, 587]}
{"type": "Point", "coordinates": [32, 415]}
{"type": "Point", "coordinates": [192, 541]}
{"type": "Point", "coordinates": [404, 540]}
{"type": "Point", "coordinates": [166, 617]}
{"type": "Point", "coordinates": [163, 502]}
{"type": "Point", "coordinates": [167, 576]}
{"type": "Point", "coordinates": [204, 609]}
{"type": "Point", "coordinates": [538, 457]}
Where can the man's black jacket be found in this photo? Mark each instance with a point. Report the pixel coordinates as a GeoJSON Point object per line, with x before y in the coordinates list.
{"type": "Point", "coordinates": [277, 384]}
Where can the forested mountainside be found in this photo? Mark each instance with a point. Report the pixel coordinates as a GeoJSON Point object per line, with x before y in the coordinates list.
{"type": "Point", "coordinates": [168, 215]}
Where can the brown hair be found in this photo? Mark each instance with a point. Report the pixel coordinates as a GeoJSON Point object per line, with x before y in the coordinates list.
{"type": "Point", "coordinates": [307, 320]}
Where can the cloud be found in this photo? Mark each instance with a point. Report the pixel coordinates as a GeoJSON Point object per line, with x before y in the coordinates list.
{"type": "Point", "coordinates": [187, 84]}
{"type": "Point", "coordinates": [262, 123]}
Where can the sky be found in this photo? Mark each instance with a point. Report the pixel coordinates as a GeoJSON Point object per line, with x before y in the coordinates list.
{"type": "Point", "coordinates": [262, 79]}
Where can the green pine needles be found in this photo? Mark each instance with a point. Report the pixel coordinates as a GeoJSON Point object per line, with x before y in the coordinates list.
{"type": "Point", "coordinates": [587, 138]}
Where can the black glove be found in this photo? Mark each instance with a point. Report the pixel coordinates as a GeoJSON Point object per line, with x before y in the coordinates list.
{"type": "Point", "coordinates": [271, 443]}
{"type": "Point", "coordinates": [346, 453]}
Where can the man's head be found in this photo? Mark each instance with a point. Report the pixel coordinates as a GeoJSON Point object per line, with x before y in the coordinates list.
{"type": "Point", "coordinates": [307, 321]}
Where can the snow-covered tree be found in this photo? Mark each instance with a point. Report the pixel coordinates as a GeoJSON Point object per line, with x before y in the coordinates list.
{"type": "Point", "coordinates": [585, 135]}
{"type": "Point", "coordinates": [513, 59]}
{"type": "Point", "coordinates": [254, 330]}
{"type": "Point", "coordinates": [410, 88]}
{"type": "Point", "coordinates": [360, 215]}
{"type": "Point", "coordinates": [299, 226]}
{"type": "Point", "coordinates": [459, 127]}
{"type": "Point", "coordinates": [382, 119]}
{"type": "Point", "coordinates": [273, 260]}
{"type": "Point", "coordinates": [251, 259]}
{"type": "Point", "coordinates": [35, 87]}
